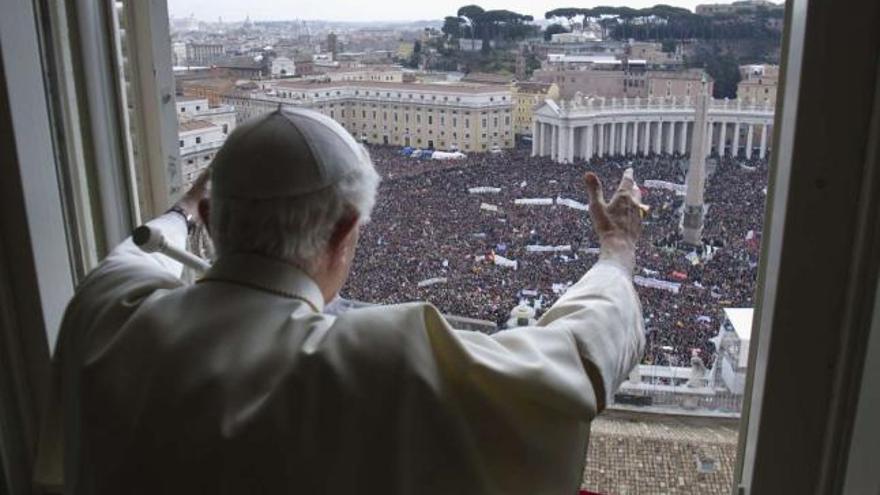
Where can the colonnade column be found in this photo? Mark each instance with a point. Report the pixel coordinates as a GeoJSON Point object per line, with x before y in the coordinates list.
{"type": "Point", "coordinates": [621, 138]}
{"type": "Point", "coordinates": [602, 139]}
{"type": "Point", "coordinates": [542, 137]}
{"type": "Point", "coordinates": [722, 138]}
{"type": "Point", "coordinates": [554, 141]}
{"type": "Point", "coordinates": [670, 138]}
{"type": "Point", "coordinates": [561, 146]}
{"type": "Point", "coordinates": [735, 151]}
{"type": "Point", "coordinates": [612, 138]}
{"type": "Point", "coordinates": [569, 150]}
{"type": "Point", "coordinates": [589, 145]}
{"type": "Point", "coordinates": [682, 138]}
{"type": "Point", "coordinates": [534, 137]}
{"type": "Point", "coordinates": [749, 137]}
{"type": "Point", "coordinates": [633, 138]}
{"type": "Point", "coordinates": [657, 137]}
{"type": "Point", "coordinates": [763, 153]}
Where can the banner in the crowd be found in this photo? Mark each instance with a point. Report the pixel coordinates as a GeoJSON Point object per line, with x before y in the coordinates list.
{"type": "Point", "coordinates": [488, 207]}
{"type": "Point", "coordinates": [497, 259]}
{"type": "Point", "coordinates": [669, 186]}
{"type": "Point", "coordinates": [529, 292]}
{"type": "Point", "coordinates": [446, 155]}
{"type": "Point", "coordinates": [484, 189]}
{"type": "Point", "coordinates": [502, 261]}
{"type": "Point", "coordinates": [533, 201]}
{"type": "Point", "coordinates": [432, 281]}
{"type": "Point", "coordinates": [577, 205]}
{"type": "Point", "coordinates": [537, 248]}
{"type": "Point", "coordinates": [657, 284]}
{"type": "Point", "coordinates": [591, 250]}
{"type": "Point", "coordinates": [559, 288]}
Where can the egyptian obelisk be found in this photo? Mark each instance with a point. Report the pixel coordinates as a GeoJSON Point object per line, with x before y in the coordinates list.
{"type": "Point", "coordinates": [692, 223]}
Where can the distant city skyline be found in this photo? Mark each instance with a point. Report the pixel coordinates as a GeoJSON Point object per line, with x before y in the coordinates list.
{"type": "Point", "coordinates": [388, 10]}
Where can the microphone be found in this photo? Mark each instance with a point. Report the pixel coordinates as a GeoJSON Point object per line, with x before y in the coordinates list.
{"type": "Point", "coordinates": [151, 240]}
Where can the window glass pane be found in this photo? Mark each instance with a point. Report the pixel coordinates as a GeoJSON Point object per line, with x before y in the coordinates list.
{"type": "Point", "coordinates": [507, 233]}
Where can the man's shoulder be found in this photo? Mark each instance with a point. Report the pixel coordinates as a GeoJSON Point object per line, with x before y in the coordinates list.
{"type": "Point", "coordinates": [390, 319]}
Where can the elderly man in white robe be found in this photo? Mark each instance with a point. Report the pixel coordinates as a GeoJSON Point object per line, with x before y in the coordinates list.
{"type": "Point", "coordinates": [242, 384]}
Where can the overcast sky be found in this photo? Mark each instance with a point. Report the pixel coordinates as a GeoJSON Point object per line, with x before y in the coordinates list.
{"type": "Point", "coordinates": [379, 10]}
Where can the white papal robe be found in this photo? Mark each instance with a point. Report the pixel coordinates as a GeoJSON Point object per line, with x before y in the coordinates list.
{"type": "Point", "coordinates": [239, 384]}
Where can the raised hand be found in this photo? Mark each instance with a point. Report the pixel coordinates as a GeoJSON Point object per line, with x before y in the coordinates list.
{"type": "Point", "coordinates": [619, 222]}
{"type": "Point", "coordinates": [199, 191]}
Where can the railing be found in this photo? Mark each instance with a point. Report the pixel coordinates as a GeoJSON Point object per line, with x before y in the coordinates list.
{"type": "Point", "coordinates": [583, 106]}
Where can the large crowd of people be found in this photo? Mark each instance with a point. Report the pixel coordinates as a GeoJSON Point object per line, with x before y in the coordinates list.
{"type": "Point", "coordinates": [430, 239]}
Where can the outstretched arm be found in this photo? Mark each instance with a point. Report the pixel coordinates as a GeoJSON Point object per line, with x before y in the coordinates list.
{"type": "Point", "coordinates": [584, 346]}
{"type": "Point", "coordinates": [602, 311]}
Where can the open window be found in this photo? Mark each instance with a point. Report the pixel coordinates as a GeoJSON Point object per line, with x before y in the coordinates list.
{"type": "Point", "coordinates": [121, 107]}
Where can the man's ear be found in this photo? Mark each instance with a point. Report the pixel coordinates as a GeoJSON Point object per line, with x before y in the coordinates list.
{"type": "Point", "coordinates": [205, 213]}
{"type": "Point", "coordinates": [345, 227]}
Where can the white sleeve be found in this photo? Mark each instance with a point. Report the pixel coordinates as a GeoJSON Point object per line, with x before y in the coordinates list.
{"type": "Point", "coordinates": [572, 361]}
{"type": "Point", "coordinates": [603, 313]}
{"type": "Point", "coordinates": [173, 227]}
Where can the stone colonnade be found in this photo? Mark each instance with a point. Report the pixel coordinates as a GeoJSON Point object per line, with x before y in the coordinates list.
{"type": "Point", "coordinates": [572, 132]}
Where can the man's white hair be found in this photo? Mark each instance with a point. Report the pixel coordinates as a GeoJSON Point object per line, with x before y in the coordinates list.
{"type": "Point", "coordinates": [293, 229]}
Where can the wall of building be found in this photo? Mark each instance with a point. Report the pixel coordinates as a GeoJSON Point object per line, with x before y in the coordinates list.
{"type": "Point", "coordinates": [412, 115]}
{"type": "Point", "coordinates": [525, 103]}
{"type": "Point", "coordinates": [759, 83]}
{"type": "Point", "coordinates": [197, 148]}
{"type": "Point", "coordinates": [621, 83]}
{"type": "Point", "coordinates": [190, 106]}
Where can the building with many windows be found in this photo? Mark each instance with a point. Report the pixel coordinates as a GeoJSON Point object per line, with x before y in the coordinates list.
{"type": "Point", "coordinates": [438, 116]}
{"type": "Point", "coordinates": [608, 77]}
{"type": "Point", "coordinates": [758, 83]}
{"type": "Point", "coordinates": [203, 53]}
{"type": "Point", "coordinates": [527, 96]}
{"type": "Point", "coordinates": [201, 131]}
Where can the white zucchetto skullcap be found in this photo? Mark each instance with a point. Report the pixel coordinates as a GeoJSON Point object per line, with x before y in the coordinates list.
{"type": "Point", "coordinates": [289, 152]}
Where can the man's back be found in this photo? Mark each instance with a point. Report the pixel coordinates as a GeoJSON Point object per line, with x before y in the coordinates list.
{"type": "Point", "coordinates": [239, 384]}
{"type": "Point", "coordinates": [260, 394]}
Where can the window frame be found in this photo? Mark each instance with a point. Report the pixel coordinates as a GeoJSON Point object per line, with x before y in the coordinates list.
{"type": "Point", "coordinates": [807, 358]}
{"type": "Point", "coordinates": [793, 439]}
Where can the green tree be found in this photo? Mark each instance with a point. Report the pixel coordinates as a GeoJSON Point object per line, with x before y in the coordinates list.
{"type": "Point", "coordinates": [721, 66]}
{"type": "Point", "coordinates": [472, 14]}
{"type": "Point", "coordinates": [452, 26]}
{"type": "Point", "coordinates": [416, 55]}
{"type": "Point", "coordinates": [554, 29]}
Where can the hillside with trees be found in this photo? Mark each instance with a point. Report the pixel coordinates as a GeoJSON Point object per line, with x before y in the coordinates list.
{"type": "Point", "coordinates": [718, 43]}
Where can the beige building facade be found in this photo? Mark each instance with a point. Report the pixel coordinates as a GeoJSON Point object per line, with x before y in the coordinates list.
{"type": "Point", "coordinates": [527, 96]}
{"type": "Point", "coordinates": [758, 83]}
{"type": "Point", "coordinates": [439, 116]}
